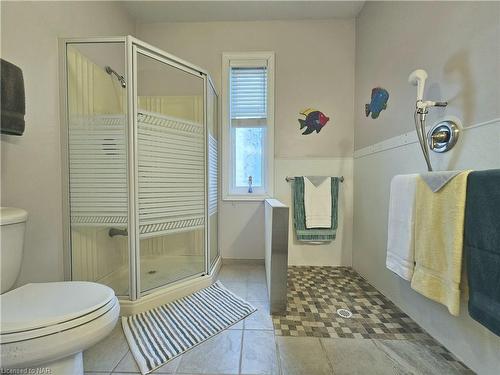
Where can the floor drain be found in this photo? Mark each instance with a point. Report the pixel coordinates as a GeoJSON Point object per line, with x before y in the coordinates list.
{"type": "Point", "coordinates": [344, 313]}
{"type": "Point", "coordinates": [151, 272]}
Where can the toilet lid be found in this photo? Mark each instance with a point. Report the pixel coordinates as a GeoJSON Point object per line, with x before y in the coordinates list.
{"type": "Point", "coordinates": [40, 305]}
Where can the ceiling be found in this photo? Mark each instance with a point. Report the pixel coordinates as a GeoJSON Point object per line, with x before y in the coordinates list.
{"type": "Point", "coordinates": [210, 11]}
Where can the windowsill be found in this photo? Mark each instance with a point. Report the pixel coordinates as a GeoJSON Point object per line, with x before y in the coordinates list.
{"type": "Point", "coordinates": [245, 198]}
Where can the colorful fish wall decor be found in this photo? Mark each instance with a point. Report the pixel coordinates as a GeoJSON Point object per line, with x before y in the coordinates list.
{"type": "Point", "coordinates": [378, 102]}
{"type": "Point", "coordinates": [315, 120]}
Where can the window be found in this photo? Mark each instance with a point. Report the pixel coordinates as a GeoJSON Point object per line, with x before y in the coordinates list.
{"type": "Point", "coordinates": [248, 125]}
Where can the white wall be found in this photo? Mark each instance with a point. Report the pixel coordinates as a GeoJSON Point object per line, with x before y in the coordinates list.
{"type": "Point", "coordinates": [456, 42]}
{"type": "Point", "coordinates": [334, 253]}
{"type": "Point", "coordinates": [31, 164]}
{"type": "Point", "coordinates": [314, 68]}
{"type": "Point", "coordinates": [462, 57]}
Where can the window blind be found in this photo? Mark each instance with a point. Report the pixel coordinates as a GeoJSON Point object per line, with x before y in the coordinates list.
{"type": "Point", "coordinates": [248, 93]}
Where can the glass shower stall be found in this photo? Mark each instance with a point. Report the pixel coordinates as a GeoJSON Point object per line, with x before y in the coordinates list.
{"type": "Point", "coordinates": [140, 158]}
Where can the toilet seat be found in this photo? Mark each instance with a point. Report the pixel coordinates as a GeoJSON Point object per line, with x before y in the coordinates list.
{"type": "Point", "coordinates": [41, 309]}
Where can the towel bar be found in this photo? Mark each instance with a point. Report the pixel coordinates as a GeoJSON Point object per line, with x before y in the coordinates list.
{"type": "Point", "coordinates": [288, 179]}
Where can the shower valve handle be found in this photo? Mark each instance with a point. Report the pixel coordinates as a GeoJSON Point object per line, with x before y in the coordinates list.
{"type": "Point", "coordinates": [441, 136]}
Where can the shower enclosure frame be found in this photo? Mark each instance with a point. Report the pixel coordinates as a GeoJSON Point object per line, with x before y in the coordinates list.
{"type": "Point", "coordinates": [136, 300]}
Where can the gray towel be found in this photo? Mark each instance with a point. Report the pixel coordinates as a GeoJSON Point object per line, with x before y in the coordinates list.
{"type": "Point", "coordinates": [12, 99]}
{"type": "Point", "coordinates": [437, 180]}
{"type": "Point", "coordinates": [316, 180]}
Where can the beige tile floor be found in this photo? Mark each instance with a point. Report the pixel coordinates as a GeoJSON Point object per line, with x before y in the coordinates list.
{"type": "Point", "coordinates": [251, 348]}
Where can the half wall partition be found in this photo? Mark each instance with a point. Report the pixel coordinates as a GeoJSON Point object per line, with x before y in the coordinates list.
{"type": "Point", "coordinates": [141, 160]}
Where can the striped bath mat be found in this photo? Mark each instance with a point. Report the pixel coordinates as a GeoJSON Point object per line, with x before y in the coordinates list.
{"type": "Point", "coordinates": [161, 334]}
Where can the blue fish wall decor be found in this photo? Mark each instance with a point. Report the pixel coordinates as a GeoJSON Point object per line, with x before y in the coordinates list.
{"type": "Point", "coordinates": [314, 121]}
{"type": "Point", "coordinates": [378, 102]}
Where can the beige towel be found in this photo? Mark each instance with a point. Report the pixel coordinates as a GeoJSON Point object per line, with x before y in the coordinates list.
{"type": "Point", "coordinates": [439, 227]}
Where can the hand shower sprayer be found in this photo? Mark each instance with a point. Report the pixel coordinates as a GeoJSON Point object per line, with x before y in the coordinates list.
{"type": "Point", "coordinates": [418, 78]}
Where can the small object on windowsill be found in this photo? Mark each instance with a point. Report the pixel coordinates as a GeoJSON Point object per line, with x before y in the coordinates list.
{"type": "Point", "coordinates": [250, 190]}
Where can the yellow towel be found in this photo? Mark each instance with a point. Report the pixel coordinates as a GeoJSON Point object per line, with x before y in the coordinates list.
{"type": "Point", "coordinates": [439, 227]}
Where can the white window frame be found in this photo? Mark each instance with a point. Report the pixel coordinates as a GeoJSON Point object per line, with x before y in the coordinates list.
{"type": "Point", "coordinates": [259, 194]}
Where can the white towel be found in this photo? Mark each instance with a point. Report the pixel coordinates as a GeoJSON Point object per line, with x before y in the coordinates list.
{"type": "Point", "coordinates": [318, 204]}
{"type": "Point", "coordinates": [400, 236]}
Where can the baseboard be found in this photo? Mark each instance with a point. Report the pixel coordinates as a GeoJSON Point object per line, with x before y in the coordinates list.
{"type": "Point", "coordinates": [242, 261]}
{"type": "Point", "coordinates": [169, 293]}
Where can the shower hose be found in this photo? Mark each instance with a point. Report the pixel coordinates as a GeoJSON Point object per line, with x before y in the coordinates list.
{"type": "Point", "coordinates": [419, 118]}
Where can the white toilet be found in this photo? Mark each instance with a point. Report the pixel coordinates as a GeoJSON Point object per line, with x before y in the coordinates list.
{"type": "Point", "coordinates": [47, 325]}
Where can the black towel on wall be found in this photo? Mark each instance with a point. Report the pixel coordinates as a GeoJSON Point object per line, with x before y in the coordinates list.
{"type": "Point", "coordinates": [482, 247]}
{"type": "Point", "coordinates": [12, 99]}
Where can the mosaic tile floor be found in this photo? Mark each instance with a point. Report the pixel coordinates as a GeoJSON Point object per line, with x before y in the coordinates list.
{"type": "Point", "coordinates": [316, 293]}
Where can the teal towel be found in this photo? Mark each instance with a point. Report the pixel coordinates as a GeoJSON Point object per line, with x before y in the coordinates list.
{"type": "Point", "coordinates": [482, 247]}
{"type": "Point", "coordinates": [299, 217]}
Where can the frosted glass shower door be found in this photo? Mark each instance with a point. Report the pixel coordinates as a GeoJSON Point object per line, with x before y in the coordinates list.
{"type": "Point", "coordinates": [171, 171]}
{"type": "Point", "coordinates": [97, 163]}
{"type": "Point", "coordinates": [213, 173]}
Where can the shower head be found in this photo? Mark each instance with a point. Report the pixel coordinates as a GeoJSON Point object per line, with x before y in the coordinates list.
{"type": "Point", "coordinates": [120, 78]}
{"type": "Point", "coordinates": [418, 78]}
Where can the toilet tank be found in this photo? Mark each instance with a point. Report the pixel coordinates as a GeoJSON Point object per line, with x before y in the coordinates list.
{"type": "Point", "coordinates": [12, 228]}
